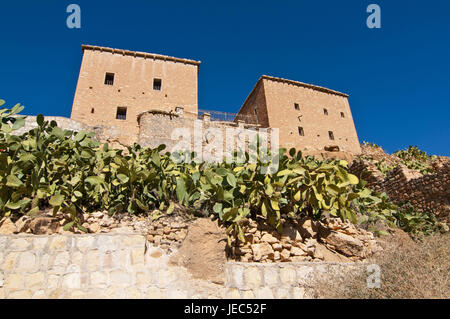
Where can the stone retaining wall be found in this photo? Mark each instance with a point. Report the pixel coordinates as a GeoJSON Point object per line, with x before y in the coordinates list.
{"type": "Point", "coordinates": [427, 193]}
{"type": "Point", "coordinates": [127, 266]}
{"type": "Point", "coordinates": [291, 280]}
{"type": "Point", "coordinates": [63, 122]}
{"type": "Point", "coordinates": [103, 133]}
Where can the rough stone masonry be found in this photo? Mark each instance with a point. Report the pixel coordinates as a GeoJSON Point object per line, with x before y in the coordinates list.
{"type": "Point", "coordinates": [427, 193]}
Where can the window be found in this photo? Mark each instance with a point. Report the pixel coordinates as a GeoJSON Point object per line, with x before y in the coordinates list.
{"type": "Point", "coordinates": [179, 110]}
{"type": "Point", "coordinates": [121, 113]}
{"type": "Point", "coordinates": [296, 106]}
{"type": "Point", "coordinates": [109, 78]}
{"type": "Point", "coordinates": [342, 114]}
{"type": "Point", "coordinates": [331, 135]}
{"type": "Point", "coordinates": [157, 84]}
{"type": "Point", "coordinates": [325, 111]}
{"type": "Point", "coordinates": [300, 131]}
{"type": "Point", "coordinates": [92, 110]}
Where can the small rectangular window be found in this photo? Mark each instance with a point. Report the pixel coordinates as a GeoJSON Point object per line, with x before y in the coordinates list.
{"type": "Point", "coordinates": [109, 78]}
{"type": "Point", "coordinates": [296, 106]}
{"type": "Point", "coordinates": [300, 131]}
{"type": "Point", "coordinates": [325, 111]}
{"type": "Point", "coordinates": [92, 110]}
{"type": "Point", "coordinates": [331, 135]}
{"type": "Point", "coordinates": [157, 84]}
{"type": "Point", "coordinates": [121, 113]}
{"type": "Point", "coordinates": [342, 114]}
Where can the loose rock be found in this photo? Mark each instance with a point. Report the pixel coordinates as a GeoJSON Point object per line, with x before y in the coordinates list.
{"type": "Point", "coordinates": [268, 238]}
{"type": "Point", "coordinates": [7, 227]}
{"type": "Point", "coordinates": [44, 226]}
{"type": "Point", "coordinates": [262, 250]}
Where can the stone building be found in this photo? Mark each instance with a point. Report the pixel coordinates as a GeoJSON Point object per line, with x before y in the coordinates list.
{"type": "Point", "coordinates": [309, 117]}
{"type": "Point", "coordinates": [115, 86]}
{"type": "Point", "coordinates": [132, 96]}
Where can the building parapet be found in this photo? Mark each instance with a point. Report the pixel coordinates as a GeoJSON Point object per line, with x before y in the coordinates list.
{"type": "Point", "coordinates": [311, 86]}
{"type": "Point", "coordinates": [140, 54]}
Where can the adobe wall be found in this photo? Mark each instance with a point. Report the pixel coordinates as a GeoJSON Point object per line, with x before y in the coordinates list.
{"type": "Point", "coordinates": [255, 104]}
{"type": "Point", "coordinates": [427, 193]}
{"type": "Point", "coordinates": [132, 88]}
{"type": "Point", "coordinates": [280, 99]}
{"type": "Point", "coordinates": [127, 266]}
{"type": "Point", "coordinates": [160, 128]}
{"type": "Point", "coordinates": [274, 99]}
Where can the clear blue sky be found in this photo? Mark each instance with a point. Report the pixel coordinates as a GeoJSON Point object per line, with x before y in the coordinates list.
{"type": "Point", "coordinates": [398, 77]}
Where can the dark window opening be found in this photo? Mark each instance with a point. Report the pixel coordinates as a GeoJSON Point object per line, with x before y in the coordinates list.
{"type": "Point", "coordinates": [325, 111]}
{"type": "Point", "coordinates": [331, 135]}
{"type": "Point", "coordinates": [300, 131]}
{"type": "Point", "coordinates": [121, 113]}
{"type": "Point", "coordinates": [157, 84]}
{"type": "Point", "coordinates": [92, 110]}
{"type": "Point", "coordinates": [342, 114]}
{"type": "Point", "coordinates": [296, 106]}
{"type": "Point", "coordinates": [109, 78]}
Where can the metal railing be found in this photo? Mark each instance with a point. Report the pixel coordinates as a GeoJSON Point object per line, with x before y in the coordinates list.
{"type": "Point", "coordinates": [229, 117]}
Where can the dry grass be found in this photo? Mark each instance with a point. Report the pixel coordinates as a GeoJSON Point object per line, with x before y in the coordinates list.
{"type": "Point", "coordinates": [408, 270]}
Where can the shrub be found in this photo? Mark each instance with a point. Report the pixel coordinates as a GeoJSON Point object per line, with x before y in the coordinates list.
{"type": "Point", "coordinates": [71, 172]}
{"type": "Point", "coordinates": [414, 158]}
{"type": "Point", "coordinates": [408, 270]}
{"type": "Point", "coordinates": [383, 167]}
{"type": "Point", "coordinates": [377, 214]}
{"type": "Point", "coordinates": [417, 223]}
{"type": "Point", "coordinates": [365, 143]}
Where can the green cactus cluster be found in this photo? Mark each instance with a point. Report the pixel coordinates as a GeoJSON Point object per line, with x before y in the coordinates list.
{"type": "Point", "coordinates": [414, 158]}
{"type": "Point", "coordinates": [51, 168]}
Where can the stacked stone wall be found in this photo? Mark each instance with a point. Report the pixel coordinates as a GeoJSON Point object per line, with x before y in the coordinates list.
{"type": "Point", "coordinates": [63, 122]}
{"type": "Point", "coordinates": [103, 133]}
{"type": "Point", "coordinates": [427, 193]}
